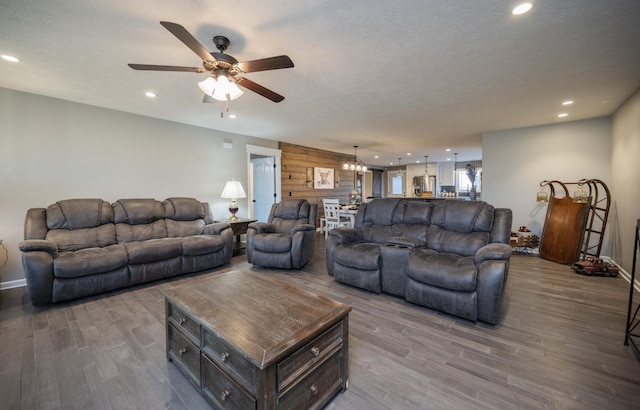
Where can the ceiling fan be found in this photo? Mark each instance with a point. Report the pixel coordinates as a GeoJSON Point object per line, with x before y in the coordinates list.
{"type": "Point", "coordinates": [224, 69]}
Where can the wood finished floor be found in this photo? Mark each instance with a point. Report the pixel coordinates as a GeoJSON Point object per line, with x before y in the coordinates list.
{"type": "Point", "coordinates": [559, 345]}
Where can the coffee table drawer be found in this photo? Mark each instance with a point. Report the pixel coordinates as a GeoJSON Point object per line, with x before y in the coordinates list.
{"type": "Point", "coordinates": [229, 359]}
{"type": "Point", "coordinates": [184, 322]}
{"type": "Point", "coordinates": [291, 368]}
{"type": "Point", "coordinates": [221, 390]}
{"type": "Point", "coordinates": [316, 389]}
{"type": "Point", "coordinates": [184, 353]}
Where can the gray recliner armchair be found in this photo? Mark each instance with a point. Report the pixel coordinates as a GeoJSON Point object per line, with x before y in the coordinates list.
{"type": "Point", "coordinates": [287, 239]}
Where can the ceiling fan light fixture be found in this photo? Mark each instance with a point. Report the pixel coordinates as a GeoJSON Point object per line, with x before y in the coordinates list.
{"type": "Point", "coordinates": [208, 86]}
{"type": "Point", "coordinates": [219, 89]}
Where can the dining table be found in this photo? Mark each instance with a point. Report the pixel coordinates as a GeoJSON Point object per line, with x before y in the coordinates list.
{"type": "Point", "coordinates": [350, 212]}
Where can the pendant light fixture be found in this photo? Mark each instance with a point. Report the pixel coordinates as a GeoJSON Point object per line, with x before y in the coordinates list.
{"type": "Point", "coordinates": [356, 165]}
{"type": "Point", "coordinates": [399, 173]}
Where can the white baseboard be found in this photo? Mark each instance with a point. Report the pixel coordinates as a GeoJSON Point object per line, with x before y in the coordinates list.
{"type": "Point", "coordinates": [13, 284]}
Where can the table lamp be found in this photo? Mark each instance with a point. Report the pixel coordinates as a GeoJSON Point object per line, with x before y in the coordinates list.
{"type": "Point", "coordinates": [233, 190]}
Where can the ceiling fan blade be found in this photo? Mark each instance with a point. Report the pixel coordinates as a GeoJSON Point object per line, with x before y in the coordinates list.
{"type": "Point", "coordinates": [152, 67]}
{"type": "Point", "coordinates": [208, 99]}
{"type": "Point", "coordinates": [264, 64]}
{"type": "Point", "coordinates": [183, 35]}
{"type": "Point", "coordinates": [257, 88]}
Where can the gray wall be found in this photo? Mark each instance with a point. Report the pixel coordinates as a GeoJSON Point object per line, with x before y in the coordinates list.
{"type": "Point", "coordinates": [53, 149]}
{"type": "Point", "coordinates": [515, 161]}
{"type": "Point", "coordinates": [625, 179]}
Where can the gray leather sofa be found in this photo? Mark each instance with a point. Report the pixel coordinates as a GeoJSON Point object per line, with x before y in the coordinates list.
{"type": "Point", "coordinates": [79, 247]}
{"type": "Point", "coordinates": [449, 255]}
{"type": "Point", "coordinates": [287, 239]}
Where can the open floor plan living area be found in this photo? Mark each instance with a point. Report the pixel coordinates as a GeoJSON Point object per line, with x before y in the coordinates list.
{"type": "Point", "coordinates": [306, 205]}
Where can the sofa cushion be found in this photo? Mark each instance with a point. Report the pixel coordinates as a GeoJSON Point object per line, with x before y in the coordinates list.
{"type": "Point", "coordinates": [377, 233]}
{"type": "Point", "coordinates": [417, 212]}
{"type": "Point", "coordinates": [138, 220]}
{"type": "Point", "coordinates": [153, 250]}
{"type": "Point", "coordinates": [78, 214]}
{"type": "Point", "coordinates": [465, 244]}
{"type": "Point", "coordinates": [202, 244]}
{"type": "Point", "coordinates": [381, 212]}
{"type": "Point", "coordinates": [89, 261]}
{"type": "Point", "coordinates": [463, 216]}
{"type": "Point", "coordinates": [359, 255]}
{"type": "Point", "coordinates": [179, 229]}
{"type": "Point", "coordinates": [183, 209]}
{"type": "Point", "coordinates": [290, 213]}
{"type": "Point", "coordinates": [444, 270]}
{"type": "Point", "coordinates": [272, 242]}
{"type": "Point", "coordinates": [417, 232]}
{"type": "Point", "coordinates": [69, 240]}
{"type": "Point", "coordinates": [137, 211]}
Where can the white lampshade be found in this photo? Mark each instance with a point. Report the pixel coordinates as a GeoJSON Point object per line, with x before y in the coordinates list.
{"type": "Point", "coordinates": [232, 190]}
{"type": "Point", "coordinates": [220, 88]}
{"type": "Point", "coordinates": [208, 86]}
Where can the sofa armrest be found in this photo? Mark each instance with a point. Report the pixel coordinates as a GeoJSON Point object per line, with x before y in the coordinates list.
{"type": "Point", "coordinates": [261, 227]}
{"type": "Point", "coordinates": [216, 228]}
{"type": "Point", "coordinates": [345, 234]}
{"type": "Point", "coordinates": [404, 242]}
{"type": "Point", "coordinates": [302, 228]}
{"type": "Point", "coordinates": [41, 245]}
{"type": "Point", "coordinates": [493, 251]}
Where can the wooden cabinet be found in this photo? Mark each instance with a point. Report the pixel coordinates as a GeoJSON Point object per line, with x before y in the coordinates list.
{"type": "Point", "coordinates": [300, 370]}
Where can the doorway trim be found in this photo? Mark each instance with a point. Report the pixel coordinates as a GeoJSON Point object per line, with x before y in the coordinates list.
{"type": "Point", "coordinates": [267, 152]}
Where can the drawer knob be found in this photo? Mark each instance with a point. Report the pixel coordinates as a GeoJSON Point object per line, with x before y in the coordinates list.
{"type": "Point", "coordinates": [182, 320]}
{"type": "Point", "coordinates": [315, 351]}
{"type": "Point", "coordinates": [182, 351]}
{"type": "Point", "coordinates": [225, 395]}
{"type": "Point", "coordinates": [224, 356]}
{"type": "Point", "coordinates": [314, 389]}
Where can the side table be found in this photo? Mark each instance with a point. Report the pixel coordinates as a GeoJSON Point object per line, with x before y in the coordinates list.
{"type": "Point", "coordinates": [239, 227]}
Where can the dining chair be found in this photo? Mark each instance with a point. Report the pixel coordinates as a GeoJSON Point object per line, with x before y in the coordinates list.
{"type": "Point", "coordinates": [332, 217]}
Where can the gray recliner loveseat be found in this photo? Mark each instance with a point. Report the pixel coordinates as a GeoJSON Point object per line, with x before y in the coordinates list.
{"type": "Point", "coordinates": [449, 255]}
{"type": "Point", "coordinates": [79, 247]}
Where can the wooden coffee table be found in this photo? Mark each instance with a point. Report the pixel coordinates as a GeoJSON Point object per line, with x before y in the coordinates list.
{"type": "Point", "coordinates": [248, 341]}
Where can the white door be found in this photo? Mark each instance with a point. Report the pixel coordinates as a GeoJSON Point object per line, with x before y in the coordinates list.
{"type": "Point", "coordinates": [264, 187]}
{"type": "Point", "coordinates": [396, 183]}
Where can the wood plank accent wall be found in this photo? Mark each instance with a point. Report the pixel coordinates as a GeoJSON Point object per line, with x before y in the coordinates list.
{"type": "Point", "coordinates": [298, 163]}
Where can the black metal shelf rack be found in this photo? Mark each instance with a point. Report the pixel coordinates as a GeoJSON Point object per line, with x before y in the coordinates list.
{"type": "Point", "coordinates": [632, 320]}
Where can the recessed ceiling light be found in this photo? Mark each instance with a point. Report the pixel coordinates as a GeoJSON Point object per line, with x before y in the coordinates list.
{"type": "Point", "coordinates": [408, 153]}
{"type": "Point", "coordinates": [448, 149]}
{"type": "Point", "coordinates": [521, 9]}
{"type": "Point", "coordinates": [568, 102]}
{"type": "Point", "coordinates": [376, 157]}
{"type": "Point", "coordinates": [232, 116]}
{"type": "Point", "coordinates": [9, 58]}
{"type": "Point", "coordinates": [417, 161]}
{"type": "Point", "coordinates": [150, 94]}
{"type": "Point", "coordinates": [562, 115]}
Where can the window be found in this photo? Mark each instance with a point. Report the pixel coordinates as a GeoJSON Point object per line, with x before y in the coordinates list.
{"type": "Point", "coordinates": [464, 184]}
{"type": "Point", "coordinates": [396, 183]}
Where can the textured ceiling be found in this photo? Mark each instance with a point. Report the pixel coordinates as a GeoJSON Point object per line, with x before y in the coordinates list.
{"type": "Point", "coordinates": [389, 76]}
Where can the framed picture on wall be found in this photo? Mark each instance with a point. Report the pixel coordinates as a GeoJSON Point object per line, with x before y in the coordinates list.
{"type": "Point", "coordinates": [322, 178]}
